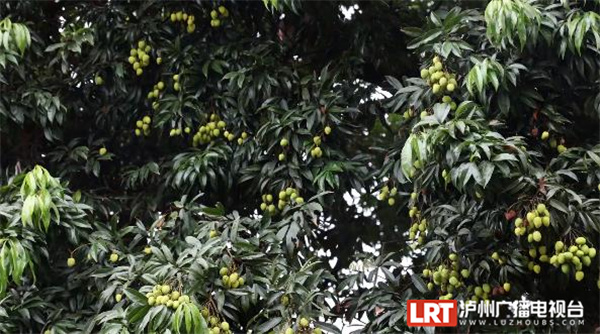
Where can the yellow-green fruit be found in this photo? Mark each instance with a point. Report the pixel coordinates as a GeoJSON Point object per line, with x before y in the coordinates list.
{"type": "Point", "coordinates": [224, 271]}
{"type": "Point", "coordinates": [545, 135]}
{"type": "Point", "coordinates": [71, 262]}
{"type": "Point", "coordinates": [453, 257]}
{"type": "Point", "coordinates": [176, 86]}
{"type": "Point", "coordinates": [423, 115]}
{"type": "Point", "coordinates": [289, 331]}
{"type": "Point", "coordinates": [580, 240]}
{"type": "Point", "coordinates": [424, 73]}
{"type": "Point", "coordinates": [151, 301]}
{"type": "Point", "coordinates": [592, 252]}
{"type": "Point", "coordinates": [165, 289]}
{"type": "Point", "coordinates": [486, 288]}
{"type": "Point", "coordinates": [506, 287]}
{"type": "Point", "coordinates": [317, 331]}
{"type": "Point", "coordinates": [327, 130]}
{"type": "Point", "coordinates": [131, 60]}
{"type": "Point", "coordinates": [284, 142]}
{"type": "Point", "coordinates": [176, 77]}
{"type": "Point", "coordinates": [269, 198]}
{"type": "Point", "coordinates": [214, 14]}
{"type": "Point", "coordinates": [99, 80]}
{"type": "Point", "coordinates": [224, 326]}
{"type": "Point", "coordinates": [304, 322]}
{"type": "Point", "coordinates": [212, 233]}
{"type": "Point", "coordinates": [216, 132]}
{"type": "Point", "coordinates": [579, 275]}
{"type": "Point", "coordinates": [139, 71]}
{"type": "Point", "coordinates": [391, 201]}
{"type": "Point", "coordinates": [148, 250]}
{"type": "Point", "coordinates": [317, 140]}
{"type": "Point", "coordinates": [450, 87]}
{"type": "Point", "coordinates": [465, 273]}
{"type": "Point", "coordinates": [537, 269]}
{"type": "Point", "coordinates": [223, 11]}
{"type": "Point", "coordinates": [281, 156]}
{"type": "Point", "coordinates": [114, 257]}
{"type": "Point", "coordinates": [558, 246]}
{"type": "Point", "coordinates": [413, 196]}
{"type": "Point", "coordinates": [102, 151]}
{"type": "Point", "coordinates": [299, 200]}
{"type": "Point", "coordinates": [175, 295]}
{"type": "Point", "coordinates": [138, 132]}
{"type": "Point", "coordinates": [565, 268]}
{"type": "Point", "coordinates": [263, 206]}
{"type": "Point", "coordinates": [537, 236]}
{"type": "Point", "coordinates": [436, 88]}
{"type": "Point", "coordinates": [158, 60]}
{"type": "Point", "coordinates": [118, 297]}
{"type": "Point", "coordinates": [561, 148]}
{"type": "Point", "coordinates": [546, 221]}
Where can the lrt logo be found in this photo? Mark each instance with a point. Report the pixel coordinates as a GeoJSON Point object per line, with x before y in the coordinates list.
{"type": "Point", "coordinates": [432, 313]}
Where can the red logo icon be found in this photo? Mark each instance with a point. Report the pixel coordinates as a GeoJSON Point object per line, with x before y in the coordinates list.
{"type": "Point", "coordinates": [432, 313]}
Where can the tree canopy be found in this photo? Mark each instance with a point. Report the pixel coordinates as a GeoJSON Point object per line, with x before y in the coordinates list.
{"type": "Point", "coordinates": [294, 167]}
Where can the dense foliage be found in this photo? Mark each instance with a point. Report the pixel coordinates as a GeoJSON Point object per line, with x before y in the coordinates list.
{"type": "Point", "coordinates": [293, 167]}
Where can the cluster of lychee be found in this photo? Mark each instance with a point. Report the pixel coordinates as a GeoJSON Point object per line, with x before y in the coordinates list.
{"type": "Point", "coordinates": [230, 278]}
{"type": "Point", "coordinates": [143, 126]}
{"type": "Point", "coordinates": [532, 223]}
{"type": "Point", "coordinates": [216, 15]}
{"type": "Point", "coordinates": [177, 131]}
{"type": "Point", "coordinates": [176, 83]}
{"type": "Point", "coordinates": [409, 113]}
{"type": "Point", "coordinates": [303, 327]}
{"type": "Point", "coordinates": [211, 131]}
{"type": "Point", "coordinates": [485, 290]}
{"type": "Point", "coordinates": [388, 194]}
{"type": "Point", "coordinates": [440, 81]}
{"type": "Point", "coordinates": [448, 277]}
{"type": "Point", "coordinates": [285, 197]}
{"type": "Point", "coordinates": [140, 57]}
{"type": "Point", "coordinates": [573, 257]}
{"type": "Point", "coordinates": [316, 151]}
{"type": "Point", "coordinates": [554, 143]}
{"type": "Point", "coordinates": [418, 229]}
{"type": "Point", "coordinates": [217, 326]}
{"type": "Point", "coordinates": [448, 100]}
{"type": "Point", "coordinates": [184, 18]}
{"type": "Point", "coordinates": [155, 92]}
{"type": "Point", "coordinates": [162, 295]}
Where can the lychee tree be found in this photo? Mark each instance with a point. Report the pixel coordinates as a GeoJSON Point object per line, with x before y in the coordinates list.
{"type": "Point", "coordinates": [496, 153]}
{"type": "Point", "coordinates": [224, 167]}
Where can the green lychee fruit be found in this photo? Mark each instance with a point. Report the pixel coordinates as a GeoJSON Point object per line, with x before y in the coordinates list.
{"type": "Point", "coordinates": [71, 262]}
{"type": "Point", "coordinates": [102, 151]}
{"type": "Point", "coordinates": [99, 81]}
{"type": "Point", "coordinates": [114, 257]}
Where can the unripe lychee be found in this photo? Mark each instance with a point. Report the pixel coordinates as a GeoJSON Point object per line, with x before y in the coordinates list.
{"type": "Point", "coordinates": [114, 257]}
{"type": "Point", "coordinates": [148, 250]}
{"type": "Point", "coordinates": [118, 297]}
{"type": "Point", "coordinates": [579, 275]}
{"type": "Point", "coordinates": [537, 236]}
{"type": "Point", "coordinates": [102, 151]}
{"type": "Point", "coordinates": [327, 130]}
{"type": "Point", "coordinates": [506, 287]}
{"type": "Point", "coordinates": [284, 142]}
{"type": "Point", "coordinates": [99, 81]}
{"type": "Point", "coordinates": [304, 322]}
{"type": "Point", "coordinates": [545, 135]}
{"type": "Point", "coordinates": [71, 262]}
